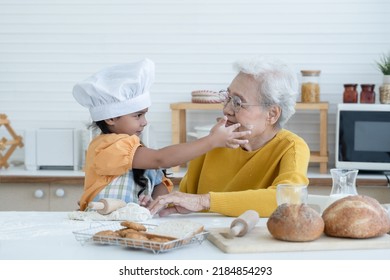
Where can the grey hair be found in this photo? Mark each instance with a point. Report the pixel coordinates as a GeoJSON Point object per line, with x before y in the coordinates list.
{"type": "Point", "coordinates": [278, 84]}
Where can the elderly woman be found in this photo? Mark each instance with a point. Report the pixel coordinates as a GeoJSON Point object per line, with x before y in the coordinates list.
{"type": "Point", "coordinates": [230, 181]}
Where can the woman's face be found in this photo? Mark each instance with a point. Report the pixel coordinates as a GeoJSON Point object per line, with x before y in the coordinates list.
{"type": "Point", "coordinates": [130, 124]}
{"type": "Point", "coordinates": [251, 116]}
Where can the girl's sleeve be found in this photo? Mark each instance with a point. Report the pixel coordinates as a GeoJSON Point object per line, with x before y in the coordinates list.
{"type": "Point", "coordinates": [168, 183]}
{"type": "Point", "coordinates": [114, 156]}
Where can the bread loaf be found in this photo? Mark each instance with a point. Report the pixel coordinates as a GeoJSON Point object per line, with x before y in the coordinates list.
{"type": "Point", "coordinates": [356, 216]}
{"type": "Point", "coordinates": [295, 222]}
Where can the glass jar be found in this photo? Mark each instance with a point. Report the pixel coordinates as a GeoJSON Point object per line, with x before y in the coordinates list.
{"type": "Point", "coordinates": [384, 94]}
{"type": "Point", "coordinates": [384, 90]}
{"type": "Point", "coordinates": [310, 89]}
{"type": "Point", "coordinates": [350, 93]}
{"type": "Point", "coordinates": [367, 94]}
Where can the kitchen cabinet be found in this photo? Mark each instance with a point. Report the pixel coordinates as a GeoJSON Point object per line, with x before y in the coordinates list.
{"type": "Point", "coordinates": [30, 193]}
{"type": "Point", "coordinates": [43, 190]}
{"type": "Point", "coordinates": [179, 129]}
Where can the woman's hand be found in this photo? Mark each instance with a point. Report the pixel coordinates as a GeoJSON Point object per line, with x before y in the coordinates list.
{"type": "Point", "coordinates": [178, 202]}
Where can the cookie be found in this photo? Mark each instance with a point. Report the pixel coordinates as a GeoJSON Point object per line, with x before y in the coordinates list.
{"type": "Point", "coordinates": [136, 235]}
{"type": "Point", "coordinates": [122, 232]}
{"type": "Point", "coordinates": [133, 225]}
{"type": "Point", "coordinates": [159, 239]}
{"type": "Point", "coordinates": [160, 243]}
{"type": "Point", "coordinates": [106, 235]}
{"type": "Point", "coordinates": [137, 239]}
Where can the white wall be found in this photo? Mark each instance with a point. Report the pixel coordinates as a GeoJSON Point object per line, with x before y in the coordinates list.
{"type": "Point", "coordinates": [46, 46]}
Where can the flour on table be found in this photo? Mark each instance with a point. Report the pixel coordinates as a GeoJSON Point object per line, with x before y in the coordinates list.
{"type": "Point", "coordinates": [131, 211]}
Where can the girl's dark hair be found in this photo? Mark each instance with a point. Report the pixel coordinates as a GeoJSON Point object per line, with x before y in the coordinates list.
{"type": "Point", "coordinates": [138, 174]}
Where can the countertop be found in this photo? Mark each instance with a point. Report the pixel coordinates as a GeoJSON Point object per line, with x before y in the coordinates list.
{"type": "Point", "coordinates": [49, 236]}
{"type": "Point", "coordinates": [18, 174]}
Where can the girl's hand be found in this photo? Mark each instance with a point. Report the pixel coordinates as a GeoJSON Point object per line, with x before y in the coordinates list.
{"type": "Point", "coordinates": [227, 136]}
{"type": "Point", "coordinates": [144, 200]}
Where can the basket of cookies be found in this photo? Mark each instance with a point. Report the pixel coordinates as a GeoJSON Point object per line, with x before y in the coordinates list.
{"type": "Point", "coordinates": [156, 238]}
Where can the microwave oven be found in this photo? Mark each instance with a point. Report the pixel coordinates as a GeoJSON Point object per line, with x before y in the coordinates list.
{"type": "Point", "coordinates": [363, 137]}
{"type": "Point", "coordinates": [53, 149]}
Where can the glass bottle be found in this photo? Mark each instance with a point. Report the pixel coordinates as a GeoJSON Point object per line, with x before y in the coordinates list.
{"type": "Point", "coordinates": [350, 93]}
{"type": "Point", "coordinates": [343, 185]}
{"type": "Point", "coordinates": [367, 94]}
{"type": "Point", "coordinates": [343, 181]}
{"type": "Point", "coordinates": [310, 88]}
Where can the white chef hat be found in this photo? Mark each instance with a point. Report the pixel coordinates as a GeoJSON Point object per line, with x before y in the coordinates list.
{"type": "Point", "coordinates": [117, 90]}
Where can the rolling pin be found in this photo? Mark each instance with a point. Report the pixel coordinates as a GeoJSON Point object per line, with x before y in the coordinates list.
{"type": "Point", "coordinates": [244, 223]}
{"type": "Point", "coordinates": [106, 206]}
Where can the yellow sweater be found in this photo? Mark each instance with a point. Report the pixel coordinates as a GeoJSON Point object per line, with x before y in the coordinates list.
{"type": "Point", "coordinates": [238, 180]}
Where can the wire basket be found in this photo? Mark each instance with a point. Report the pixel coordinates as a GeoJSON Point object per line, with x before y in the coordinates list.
{"type": "Point", "coordinates": [89, 236]}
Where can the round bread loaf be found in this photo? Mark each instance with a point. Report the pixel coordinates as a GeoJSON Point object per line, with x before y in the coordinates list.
{"type": "Point", "coordinates": [356, 216]}
{"type": "Point", "coordinates": [295, 222]}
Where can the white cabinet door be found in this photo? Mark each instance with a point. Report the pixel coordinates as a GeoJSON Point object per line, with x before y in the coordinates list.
{"type": "Point", "coordinates": [64, 197]}
{"type": "Point", "coordinates": [24, 197]}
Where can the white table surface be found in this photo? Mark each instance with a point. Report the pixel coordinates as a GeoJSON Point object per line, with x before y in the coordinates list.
{"type": "Point", "coordinates": [49, 236]}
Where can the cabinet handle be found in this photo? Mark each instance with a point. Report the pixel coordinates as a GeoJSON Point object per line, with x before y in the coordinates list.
{"type": "Point", "coordinates": [39, 193]}
{"type": "Point", "coordinates": [60, 192]}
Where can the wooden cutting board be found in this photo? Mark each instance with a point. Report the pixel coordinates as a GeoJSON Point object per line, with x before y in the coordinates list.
{"type": "Point", "coordinates": [259, 240]}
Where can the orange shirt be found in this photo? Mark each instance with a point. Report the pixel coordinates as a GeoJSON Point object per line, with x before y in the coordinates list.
{"type": "Point", "coordinates": [108, 156]}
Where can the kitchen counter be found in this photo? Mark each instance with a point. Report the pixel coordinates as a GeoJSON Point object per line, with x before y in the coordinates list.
{"type": "Point", "coordinates": [19, 174]}
{"type": "Point", "coordinates": [49, 236]}
{"type": "Point", "coordinates": [59, 190]}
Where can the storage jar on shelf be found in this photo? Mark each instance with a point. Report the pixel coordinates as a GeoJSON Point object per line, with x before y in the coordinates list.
{"type": "Point", "coordinates": [350, 93]}
{"type": "Point", "coordinates": [384, 90]}
{"type": "Point", "coordinates": [367, 94]}
{"type": "Point", "coordinates": [310, 88]}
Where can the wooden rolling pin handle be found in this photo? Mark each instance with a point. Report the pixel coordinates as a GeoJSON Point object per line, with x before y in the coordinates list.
{"type": "Point", "coordinates": [238, 227]}
{"type": "Point", "coordinates": [244, 223]}
{"type": "Point", "coordinates": [110, 205]}
{"type": "Point", "coordinates": [106, 206]}
{"type": "Point", "coordinates": [96, 205]}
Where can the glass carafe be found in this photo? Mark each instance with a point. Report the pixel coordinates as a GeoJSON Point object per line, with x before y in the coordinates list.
{"type": "Point", "coordinates": [343, 183]}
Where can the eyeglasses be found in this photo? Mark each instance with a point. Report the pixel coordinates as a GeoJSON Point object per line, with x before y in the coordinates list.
{"type": "Point", "coordinates": [236, 101]}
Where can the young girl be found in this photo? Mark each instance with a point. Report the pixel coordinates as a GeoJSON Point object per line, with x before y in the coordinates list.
{"type": "Point", "coordinates": [117, 164]}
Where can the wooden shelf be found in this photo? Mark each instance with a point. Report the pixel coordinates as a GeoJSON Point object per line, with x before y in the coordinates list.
{"type": "Point", "coordinates": [179, 126]}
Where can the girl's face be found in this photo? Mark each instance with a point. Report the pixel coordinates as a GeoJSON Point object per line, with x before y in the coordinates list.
{"type": "Point", "coordinates": [130, 124]}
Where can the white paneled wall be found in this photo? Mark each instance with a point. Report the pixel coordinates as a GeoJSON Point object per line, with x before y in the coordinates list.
{"type": "Point", "coordinates": [46, 46]}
